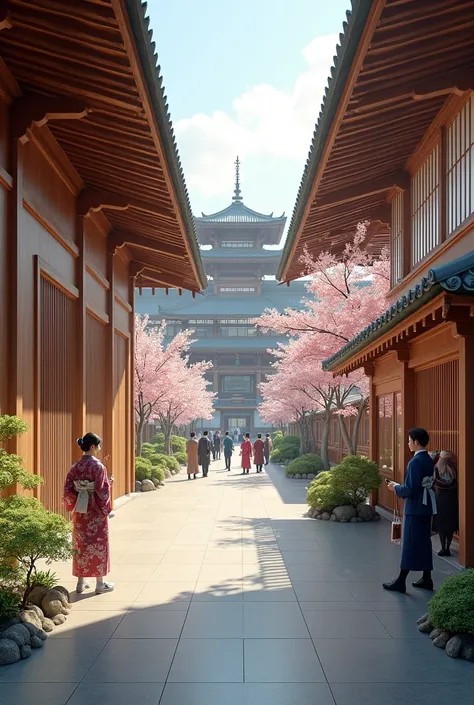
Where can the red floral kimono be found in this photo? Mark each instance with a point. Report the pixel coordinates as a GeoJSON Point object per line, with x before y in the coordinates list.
{"type": "Point", "coordinates": [246, 452]}
{"type": "Point", "coordinates": [90, 534]}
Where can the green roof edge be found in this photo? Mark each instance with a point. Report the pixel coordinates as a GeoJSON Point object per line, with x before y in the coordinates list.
{"type": "Point", "coordinates": [345, 53]}
{"type": "Point", "coordinates": [140, 23]}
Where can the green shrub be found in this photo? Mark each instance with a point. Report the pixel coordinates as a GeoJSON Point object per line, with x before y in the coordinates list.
{"type": "Point", "coordinates": [288, 449]}
{"type": "Point", "coordinates": [142, 469]}
{"type": "Point", "coordinates": [158, 474]}
{"type": "Point", "coordinates": [45, 578]}
{"type": "Point", "coordinates": [356, 477]}
{"type": "Point", "coordinates": [10, 603]}
{"type": "Point", "coordinates": [181, 457]}
{"type": "Point", "coordinates": [159, 438]}
{"type": "Point", "coordinates": [11, 466]}
{"type": "Point", "coordinates": [178, 444]}
{"type": "Point", "coordinates": [323, 495]}
{"type": "Point", "coordinates": [304, 465]}
{"type": "Point", "coordinates": [277, 439]}
{"type": "Point", "coordinates": [172, 464]}
{"type": "Point", "coordinates": [452, 607]}
{"type": "Point", "coordinates": [147, 450]}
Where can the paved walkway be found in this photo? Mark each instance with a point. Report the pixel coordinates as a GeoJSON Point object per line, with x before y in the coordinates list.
{"type": "Point", "coordinates": [226, 595]}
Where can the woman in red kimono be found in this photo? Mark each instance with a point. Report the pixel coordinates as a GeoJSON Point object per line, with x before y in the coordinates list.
{"type": "Point", "coordinates": [87, 496]}
{"type": "Point", "coordinates": [246, 453]}
{"type": "Point", "coordinates": [258, 453]}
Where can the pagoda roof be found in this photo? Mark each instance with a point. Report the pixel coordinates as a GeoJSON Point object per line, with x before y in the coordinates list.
{"type": "Point", "coordinates": [238, 344]}
{"type": "Point", "coordinates": [238, 212]}
{"type": "Point", "coordinates": [247, 253]}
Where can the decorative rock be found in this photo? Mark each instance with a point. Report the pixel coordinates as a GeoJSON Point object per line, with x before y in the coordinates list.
{"type": "Point", "coordinates": [454, 647]}
{"type": "Point", "coordinates": [35, 632]}
{"type": "Point", "coordinates": [147, 486]}
{"type": "Point", "coordinates": [32, 618]}
{"type": "Point", "coordinates": [304, 476]}
{"type": "Point", "coordinates": [9, 652]}
{"type": "Point", "coordinates": [435, 634]}
{"type": "Point", "coordinates": [25, 651]}
{"type": "Point", "coordinates": [311, 476]}
{"type": "Point", "coordinates": [65, 592]}
{"type": "Point", "coordinates": [17, 633]}
{"type": "Point", "coordinates": [365, 511]}
{"type": "Point", "coordinates": [54, 603]}
{"type": "Point", "coordinates": [36, 642]}
{"type": "Point", "coordinates": [326, 516]}
{"type": "Point", "coordinates": [424, 618]}
{"type": "Point", "coordinates": [333, 517]}
{"type": "Point", "coordinates": [319, 516]}
{"type": "Point", "coordinates": [138, 486]}
{"type": "Point", "coordinates": [58, 619]}
{"type": "Point", "coordinates": [37, 610]}
{"type": "Point", "coordinates": [48, 625]}
{"type": "Point", "coordinates": [297, 476]}
{"type": "Point", "coordinates": [442, 640]}
{"type": "Point", "coordinates": [425, 627]}
{"type": "Point", "coordinates": [355, 520]}
{"type": "Point", "coordinates": [467, 652]}
{"type": "Point", "coordinates": [311, 512]}
{"type": "Point", "coordinates": [345, 514]}
{"type": "Point", "coordinates": [377, 517]}
{"type": "Point", "coordinates": [36, 595]}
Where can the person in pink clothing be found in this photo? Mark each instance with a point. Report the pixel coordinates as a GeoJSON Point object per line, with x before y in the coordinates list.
{"type": "Point", "coordinates": [246, 453]}
{"type": "Point", "coordinates": [259, 453]}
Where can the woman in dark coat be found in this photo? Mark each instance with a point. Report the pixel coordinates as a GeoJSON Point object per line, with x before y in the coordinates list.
{"type": "Point", "coordinates": [446, 521]}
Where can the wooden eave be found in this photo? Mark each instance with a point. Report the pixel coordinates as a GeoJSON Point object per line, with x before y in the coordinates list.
{"type": "Point", "coordinates": [398, 63]}
{"type": "Point", "coordinates": [99, 53]}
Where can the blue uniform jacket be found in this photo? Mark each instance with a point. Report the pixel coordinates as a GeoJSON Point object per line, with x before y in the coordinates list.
{"type": "Point", "coordinates": [420, 466]}
{"type": "Point", "coordinates": [228, 445]}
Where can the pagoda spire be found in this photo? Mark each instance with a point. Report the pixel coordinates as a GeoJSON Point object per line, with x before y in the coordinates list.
{"type": "Point", "coordinates": [237, 198]}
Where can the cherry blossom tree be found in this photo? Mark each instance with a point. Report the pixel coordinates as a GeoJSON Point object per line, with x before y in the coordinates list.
{"type": "Point", "coordinates": [344, 295]}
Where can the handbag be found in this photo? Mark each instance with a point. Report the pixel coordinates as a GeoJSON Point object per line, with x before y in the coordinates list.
{"type": "Point", "coordinates": [396, 528]}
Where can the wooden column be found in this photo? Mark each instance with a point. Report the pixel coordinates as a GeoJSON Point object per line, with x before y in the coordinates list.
{"type": "Point", "coordinates": [408, 414]}
{"type": "Point", "coordinates": [466, 451]}
{"type": "Point", "coordinates": [407, 226]}
{"type": "Point", "coordinates": [80, 372]}
{"type": "Point", "coordinates": [131, 474]}
{"type": "Point", "coordinates": [442, 193]}
{"type": "Point", "coordinates": [110, 381]}
{"type": "Point", "coordinates": [369, 370]}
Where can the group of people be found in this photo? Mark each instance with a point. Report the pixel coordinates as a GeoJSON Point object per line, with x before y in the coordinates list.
{"type": "Point", "coordinates": [199, 452]}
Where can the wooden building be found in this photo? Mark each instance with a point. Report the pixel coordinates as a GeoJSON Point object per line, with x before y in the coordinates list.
{"type": "Point", "coordinates": [92, 202]}
{"type": "Point", "coordinates": [395, 144]}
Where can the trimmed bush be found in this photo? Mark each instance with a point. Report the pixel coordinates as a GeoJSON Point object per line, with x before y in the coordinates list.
{"type": "Point", "coordinates": [322, 494]}
{"type": "Point", "coordinates": [356, 477]}
{"type": "Point", "coordinates": [181, 457]}
{"type": "Point", "coordinates": [172, 464]}
{"type": "Point", "coordinates": [277, 439]}
{"type": "Point", "coordinates": [452, 607]}
{"type": "Point", "coordinates": [287, 449]}
{"type": "Point", "coordinates": [157, 474]}
{"type": "Point", "coordinates": [159, 438]}
{"type": "Point", "coordinates": [142, 469]}
{"type": "Point", "coordinates": [178, 444]}
{"type": "Point", "coordinates": [304, 465]}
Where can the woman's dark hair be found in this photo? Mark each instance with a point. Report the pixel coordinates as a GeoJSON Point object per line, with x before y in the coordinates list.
{"type": "Point", "coordinates": [259, 435]}
{"type": "Point", "coordinates": [420, 435]}
{"type": "Point", "coordinates": [89, 440]}
{"type": "Point", "coordinates": [192, 434]}
{"type": "Point", "coordinates": [247, 435]}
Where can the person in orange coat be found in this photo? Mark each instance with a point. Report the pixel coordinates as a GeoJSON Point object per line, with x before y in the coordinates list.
{"type": "Point", "coordinates": [246, 453]}
{"type": "Point", "coordinates": [259, 453]}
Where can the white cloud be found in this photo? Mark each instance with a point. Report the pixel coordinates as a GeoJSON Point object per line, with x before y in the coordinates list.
{"type": "Point", "coordinates": [268, 127]}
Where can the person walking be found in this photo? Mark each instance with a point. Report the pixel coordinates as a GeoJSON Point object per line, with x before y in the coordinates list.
{"type": "Point", "coordinates": [228, 444]}
{"type": "Point", "coordinates": [259, 453]}
{"type": "Point", "coordinates": [217, 445]}
{"type": "Point", "coordinates": [446, 521]}
{"type": "Point", "coordinates": [246, 453]}
{"type": "Point", "coordinates": [192, 456]}
{"type": "Point", "coordinates": [420, 505]}
{"type": "Point", "coordinates": [268, 445]}
{"type": "Point", "coordinates": [87, 494]}
{"type": "Point", "coordinates": [204, 452]}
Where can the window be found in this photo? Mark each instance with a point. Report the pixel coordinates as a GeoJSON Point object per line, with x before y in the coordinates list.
{"type": "Point", "coordinates": [425, 207]}
{"type": "Point", "coordinates": [232, 384]}
{"type": "Point", "coordinates": [237, 331]}
{"type": "Point", "coordinates": [460, 166]}
{"type": "Point", "coordinates": [228, 289]}
{"type": "Point", "coordinates": [235, 321]}
{"type": "Point", "coordinates": [238, 243]}
{"type": "Point", "coordinates": [396, 255]}
{"type": "Point", "coordinates": [197, 321]}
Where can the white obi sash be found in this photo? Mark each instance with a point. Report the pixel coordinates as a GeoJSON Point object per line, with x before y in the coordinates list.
{"type": "Point", "coordinates": [84, 490]}
{"type": "Point", "coordinates": [427, 484]}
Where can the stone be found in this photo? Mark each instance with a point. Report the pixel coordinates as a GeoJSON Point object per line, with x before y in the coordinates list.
{"type": "Point", "coordinates": [32, 618]}
{"type": "Point", "coordinates": [442, 640]}
{"type": "Point", "coordinates": [9, 652]}
{"type": "Point", "coordinates": [311, 512]}
{"type": "Point", "coordinates": [36, 642]}
{"type": "Point", "coordinates": [425, 627]}
{"type": "Point", "coordinates": [54, 603]}
{"type": "Point", "coordinates": [65, 592]}
{"type": "Point", "coordinates": [35, 597]}
{"type": "Point", "coordinates": [454, 647]}
{"type": "Point", "coordinates": [17, 633]}
{"type": "Point", "coordinates": [365, 511]}
{"type": "Point", "coordinates": [377, 517]}
{"type": "Point", "coordinates": [147, 486]}
{"type": "Point", "coordinates": [35, 632]}
{"type": "Point", "coordinates": [424, 618]}
{"type": "Point", "coordinates": [326, 516]}
{"type": "Point", "coordinates": [435, 634]}
{"type": "Point", "coordinates": [25, 651]}
{"type": "Point", "coordinates": [37, 610]}
{"type": "Point", "coordinates": [58, 619]}
{"type": "Point", "coordinates": [333, 517]}
{"type": "Point", "coordinates": [138, 486]}
{"type": "Point", "coordinates": [48, 625]}
{"type": "Point", "coordinates": [297, 476]}
{"type": "Point", "coordinates": [319, 516]}
{"type": "Point", "coordinates": [345, 514]}
{"type": "Point", "coordinates": [311, 476]}
{"type": "Point", "coordinates": [304, 476]}
{"type": "Point", "coordinates": [355, 520]}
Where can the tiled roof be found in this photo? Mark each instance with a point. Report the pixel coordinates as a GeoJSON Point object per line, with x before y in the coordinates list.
{"type": "Point", "coordinates": [232, 253]}
{"type": "Point", "coordinates": [237, 344]}
{"type": "Point", "coordinates": [239, 213]}
{"type": "Point", "coordinates": [456, 277]}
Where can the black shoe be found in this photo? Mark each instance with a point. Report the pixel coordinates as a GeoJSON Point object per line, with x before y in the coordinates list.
{"type": "Point", "coordinates": [395, 586]}
{"type": "Point", "coordinates": [444, 552]}
{"type": "Point", "coordinates": [424, 584]}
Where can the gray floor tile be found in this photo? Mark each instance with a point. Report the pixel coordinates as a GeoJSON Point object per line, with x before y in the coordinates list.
{"type": "Point", "coordinates": [318, 559]}
{"type": "Point", "coordinates": [133, 661]}
{"type": "Point", "coordinates": [318, 591]}
{"type": "Point", "coordinates": [36, 693]}
{"type": "Point", "coordinates": [208, 620]}
{"type": "Point", "coordinates": [281, 661]}
{"type": "Point", "coordinates": [60, 661]}
{"type": "Point", "coordinates": [277, 620]}
{"type": "Point", "coordinates": [288, 694]}
{"type": "Point", "coordinates": [208, 661]}
{"type": "Point", "coordinates": [311, 572]}
{"type": "Point", "coordinates": [356, 606]}
{"type": "Point", "coordinates": [268, 593]}
{"type": "Point", "coordinates": [401, 625]}
{"type": "Point", "coordinates": [367, 591]}
{"type": "Point", "coordinates": [401, 693]}
{"type": "Point", "coordinates": [203, 694]}
{"type": "Point", "coordinates": [389, 661]}
{"type": "Point", "coordinates": [116, 694]}
{"type": "Point", "coordinates": [345, 625]}
{"type": "Point", "coordinates": [151, 625]}
{"type": "Point", "coordinates": [307, 545]}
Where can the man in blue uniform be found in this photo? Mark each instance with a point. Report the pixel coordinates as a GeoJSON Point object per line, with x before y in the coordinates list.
{"type": "Point", "coordinates": [419, 507]}
{"type": "Point", "coordinates": [228, 450]}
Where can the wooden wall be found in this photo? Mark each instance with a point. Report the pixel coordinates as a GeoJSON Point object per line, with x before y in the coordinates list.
{"type": "Point", "coordinates": [66, 317]}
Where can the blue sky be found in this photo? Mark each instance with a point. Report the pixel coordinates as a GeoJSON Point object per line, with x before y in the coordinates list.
{"type": "Point", "coordinates": [245, 77]}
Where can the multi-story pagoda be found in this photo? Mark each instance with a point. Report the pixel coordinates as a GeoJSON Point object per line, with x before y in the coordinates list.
{"type": "Point", "coordinates": [241, 286]}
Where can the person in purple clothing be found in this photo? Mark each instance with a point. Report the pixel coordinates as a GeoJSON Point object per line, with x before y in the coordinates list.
{"type": "Point", "coordinates": [419, 508]}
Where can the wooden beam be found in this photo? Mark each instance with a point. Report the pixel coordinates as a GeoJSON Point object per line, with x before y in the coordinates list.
{"type": "Point", "coordinates": [98, 199]}
{"type": "Point", "coordinates": [119, 238]}
{"type": "Point", "coordinates": [166, 280]}
{"type": "Point", "coordinates": [457, 82]}
{"type": "Point", "coordinates": [398, 179]}
{"type": "Point", "coordinates": [36, 109]}
{"type": "Point", "coordinates": [5, 17]}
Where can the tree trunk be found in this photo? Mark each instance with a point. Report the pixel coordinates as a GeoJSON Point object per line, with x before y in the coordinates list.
{"type": "Point", "coordinates": [300, 423]}
{"type": "Point", "coordinates": [355, 433]}
{"type": "Point", "coordinates": [312, 436]}
{"type": "Point", "coordinates": [325, 441]}
{"type": "Point", "coordinates": [140, 425]}
{"type": "Point", "coordinates": [345, 435]}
